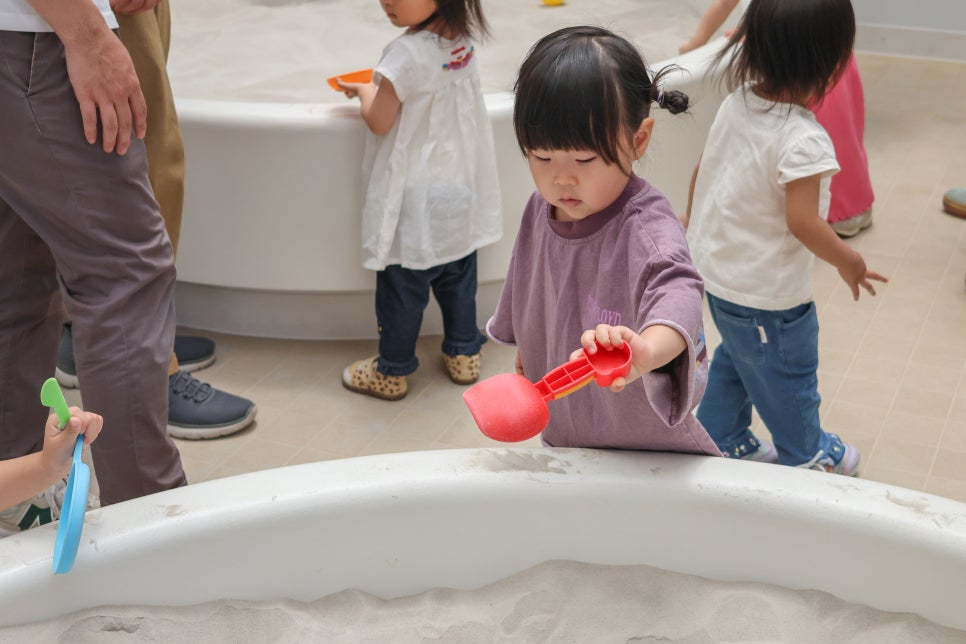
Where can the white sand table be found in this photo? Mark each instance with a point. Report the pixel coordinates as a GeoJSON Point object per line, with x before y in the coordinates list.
{"type": "Point", "coordinates": [392, 526]}
{"type": "Point", "coordinates": [283, 50]}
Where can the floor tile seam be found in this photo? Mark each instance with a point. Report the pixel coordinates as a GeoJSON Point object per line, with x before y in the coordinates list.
{"type": "Point", "coordinates": [946, 423]}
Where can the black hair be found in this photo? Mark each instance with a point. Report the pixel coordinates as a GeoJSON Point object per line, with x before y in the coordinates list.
{"type": "Point", "coordinates": [794, 50]}
{"type": "Point", "coordinates": [458, 19]}
{"type": "Point", "coordinates": [586, 88]}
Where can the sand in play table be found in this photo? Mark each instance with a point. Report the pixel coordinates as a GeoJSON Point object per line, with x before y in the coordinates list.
{"type": "Point", "coordinates": [558, 601]}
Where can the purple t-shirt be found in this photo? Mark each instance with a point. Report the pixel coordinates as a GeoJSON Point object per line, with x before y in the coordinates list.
{"type": "Point", "coordinates": [626, 265]}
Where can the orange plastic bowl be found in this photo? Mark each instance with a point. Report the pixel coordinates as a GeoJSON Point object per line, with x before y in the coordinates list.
{"type": "Point", "coordinates": [360, 76]}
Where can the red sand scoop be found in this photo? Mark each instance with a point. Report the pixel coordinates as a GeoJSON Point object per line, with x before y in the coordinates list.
{"type": "Point", "coordinates": [510, 408]}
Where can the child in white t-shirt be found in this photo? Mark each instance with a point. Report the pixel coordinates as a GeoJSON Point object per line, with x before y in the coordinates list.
{"type": "Point", "coordinates": [757, 218]}
{"type": "Point", "coordinates": [432, 195]}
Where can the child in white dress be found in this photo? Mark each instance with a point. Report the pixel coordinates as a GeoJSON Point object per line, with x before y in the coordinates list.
{"type": "Point", "coordinates": [432, 194]}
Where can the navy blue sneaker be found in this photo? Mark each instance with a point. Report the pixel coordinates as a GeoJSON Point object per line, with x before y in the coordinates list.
{"type": "Point", "coordinates": [198, 410]}
{"type": "Point", "coordinates": [66, 371]}
{"type": "Point", "coordinates": [193, 352]}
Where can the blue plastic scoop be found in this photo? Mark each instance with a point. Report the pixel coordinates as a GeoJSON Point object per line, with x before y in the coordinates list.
{"type": "Point", "coordinates": [75, 498]}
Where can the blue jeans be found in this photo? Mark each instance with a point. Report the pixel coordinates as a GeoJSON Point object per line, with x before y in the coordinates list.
{"type": "Point", "coordinates": [768, 359]}
{"type": "Point", "coordinates": [401, 297]}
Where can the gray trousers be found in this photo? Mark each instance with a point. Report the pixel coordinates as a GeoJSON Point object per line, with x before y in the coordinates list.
{"type": "Point", "coordinates": [80, 229]}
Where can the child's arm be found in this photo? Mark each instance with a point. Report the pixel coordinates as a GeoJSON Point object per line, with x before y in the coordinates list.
{"type": "Point", "coordinates": [23, 477]}
{"type": "Point", "coordinates": [713, 18]}
{"type": "Point", "coordinates": [651, 349]}
{"type": "Point", "coordinates": [379, 103]}
{"type": "Point", "coordinates": [801, 215]}
{"type": "Point", "coordinates": [686, 217]}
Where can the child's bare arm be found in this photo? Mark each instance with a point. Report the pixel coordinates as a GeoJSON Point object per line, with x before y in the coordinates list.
{"type": "Point", "coordinates": [652, 348]}
{"type": "Point", "coordinates": [23, 477]}
{"type": "Point", "coordinates": [801, 215]}
{"type": "Point", "coordinates": [711, 21]}
{"type": "Point", "coordinates": [379, 103]}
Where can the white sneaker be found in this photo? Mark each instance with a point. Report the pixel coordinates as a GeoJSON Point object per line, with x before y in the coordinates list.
{"type": "Point", "coordinates": [39, 510]}
{"type": "Point", "coordinates": [853, 225]}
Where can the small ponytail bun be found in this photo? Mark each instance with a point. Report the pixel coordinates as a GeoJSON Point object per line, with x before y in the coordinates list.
{"type": "Point", "coordinates": [673, 101]}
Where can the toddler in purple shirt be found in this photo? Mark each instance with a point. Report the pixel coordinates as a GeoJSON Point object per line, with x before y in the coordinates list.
{"type": "Point", "coordinates": [600, 255]}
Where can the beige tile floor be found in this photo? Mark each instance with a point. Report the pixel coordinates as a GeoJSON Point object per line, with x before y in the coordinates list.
{"type": "Point", "coordinates": [893, 367]}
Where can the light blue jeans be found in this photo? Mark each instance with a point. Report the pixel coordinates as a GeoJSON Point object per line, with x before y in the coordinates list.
{"type": "Point", "coordinates": [769, 360]}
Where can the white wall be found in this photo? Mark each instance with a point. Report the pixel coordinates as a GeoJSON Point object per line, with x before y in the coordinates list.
{"type": "Point", "coordinates": [923, 28]}
{"type": "Point", "coordinates": [943, 15]}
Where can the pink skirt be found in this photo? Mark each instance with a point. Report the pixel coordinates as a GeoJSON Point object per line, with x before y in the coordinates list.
{"type": "Point", "coordinates": [842, 114]}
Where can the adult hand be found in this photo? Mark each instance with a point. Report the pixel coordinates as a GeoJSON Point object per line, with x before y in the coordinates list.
{"type": "Point", "coordinates": [130, 7]}
{"type": "Point", "coordinates": [107, 88]}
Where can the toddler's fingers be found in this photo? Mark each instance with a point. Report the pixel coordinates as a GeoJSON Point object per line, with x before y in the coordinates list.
{"type": "Point", "coordinates": [93, 424]}
{"type": "Point", "coordinates": [609, 336]}
{"type": "Point", "coordinates": [588, 340]}
{"type": "Point", "coordinates": [872, 275]}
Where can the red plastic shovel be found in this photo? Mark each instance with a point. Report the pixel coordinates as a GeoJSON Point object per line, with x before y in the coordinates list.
{"type": "Point", "coordinates": [510, 408]}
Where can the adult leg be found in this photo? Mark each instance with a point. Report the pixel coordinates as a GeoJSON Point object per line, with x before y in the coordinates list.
{"type": "Point", "coordinates": [196, 409]}
{"type": "Point", "coordinates": [96, 214]}
{"type": "Point", "coordinates": [29, 327]}
{"type": "Point", "coordinates": [147, 37]}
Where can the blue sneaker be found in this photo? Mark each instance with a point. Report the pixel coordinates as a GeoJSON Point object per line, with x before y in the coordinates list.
{"type": "Point", "coordinates": [954, 202]}
{"type": "Point", "coordinates": [840, 458]}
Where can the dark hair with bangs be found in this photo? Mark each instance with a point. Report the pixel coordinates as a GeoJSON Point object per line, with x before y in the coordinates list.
{"type": "Point", "coordinates": [458, 19]}
{"type": "Point", "coordinates": [794, 50]}
{"type": "Point", "coordinates": [586, 88]}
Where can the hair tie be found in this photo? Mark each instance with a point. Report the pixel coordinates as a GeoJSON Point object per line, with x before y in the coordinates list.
{"type": "Point", "coordinates": [660, 98]}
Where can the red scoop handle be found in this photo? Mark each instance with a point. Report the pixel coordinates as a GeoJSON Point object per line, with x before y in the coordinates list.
{"type": "Point", "coordinates": [566, 379]}
{"type": "Point", "coordinates": [604, 365]}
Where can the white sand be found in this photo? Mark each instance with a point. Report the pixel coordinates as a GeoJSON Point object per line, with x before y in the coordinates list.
{"type": "Point", "coordinates": [283, 50]}
{"type": "Point", "coordinates": [556, 602]}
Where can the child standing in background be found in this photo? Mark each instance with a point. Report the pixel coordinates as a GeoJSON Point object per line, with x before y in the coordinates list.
{"type": "Point", "coordinates": [432, 197]}
{"type": "Point", "coordinates": [842, 113]}
{"type": "Point", "coordinates": [600, 254]}
{"type": "Point", "coordinates": [756, 219]}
